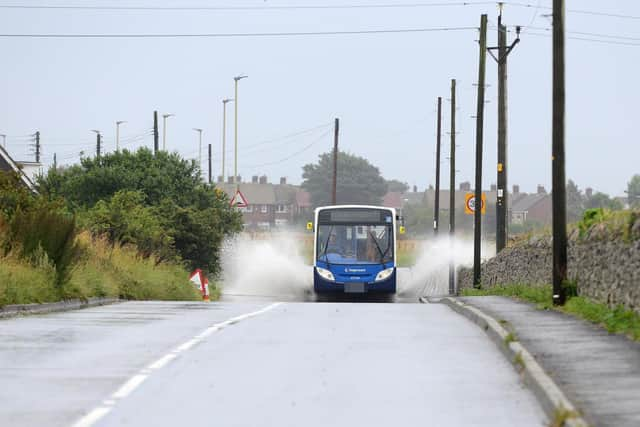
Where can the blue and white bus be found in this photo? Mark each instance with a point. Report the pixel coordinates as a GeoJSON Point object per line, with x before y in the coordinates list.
{"type": "Point", "coordinates": [354, 250]}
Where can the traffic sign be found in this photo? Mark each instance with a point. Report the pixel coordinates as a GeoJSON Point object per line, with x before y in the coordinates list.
{"type": "Point", "coordinates": [238, 200]}
{"type": "Point", "coordinates": [470, 204]}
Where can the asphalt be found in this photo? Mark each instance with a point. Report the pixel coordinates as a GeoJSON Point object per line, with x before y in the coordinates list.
{"type": "Point", "coordinates": [599, 372]}
{"type": "Point", "coordinates": [309, 364]}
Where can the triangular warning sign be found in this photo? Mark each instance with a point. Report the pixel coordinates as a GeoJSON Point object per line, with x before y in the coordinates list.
{"type": "Point", "coordinates": [238, 200]}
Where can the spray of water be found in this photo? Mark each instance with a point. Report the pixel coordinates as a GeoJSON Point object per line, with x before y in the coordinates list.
{"type": "Point", "coordinates": [430, 275]}
{"type": "Point", "coordinates": [265, 268]}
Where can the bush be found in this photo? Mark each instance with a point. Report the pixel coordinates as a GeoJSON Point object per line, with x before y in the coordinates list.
{"type": "Point", "coordinates": [49, 231]}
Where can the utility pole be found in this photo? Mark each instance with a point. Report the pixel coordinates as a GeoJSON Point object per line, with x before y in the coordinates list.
{"type": "Point", "coordinates": [235, 161]}
{"type": "Point", "coordinates": [502, 202]}
{"type": "Point", "coordinates": [118, 123]}
{"type": "Point", "coordinates": [334, 188]}
{"type": "Point", "coordinates": [452, 190]}
{"type": "Point", "coordinates": [97, 143]}
{"type": "Point", "coordinates": [436, 211]}
{"type": "Point", "coordinates": [155, 133]}
{"type": "Point", "coordinates": [559, 196]}
{"type": "Point", "coordinates": [224, 136]}
{"type": "Point", "coordinates": [477, 229]}
{"type": "Point", "coordinates": [55, 161]}
{"type": "Point", "coordinates": [209, 163]}
{"type": "Point", "coordinates": [4, 140]}
{"type": "Point", "coordinates": [38, 148]}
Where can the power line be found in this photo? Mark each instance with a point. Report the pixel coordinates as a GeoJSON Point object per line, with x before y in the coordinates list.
{"type": "Point", "coordinates": [576, 11]}
{"type": "Point", "coordinates": [307, 147]}
{"type": "Point", "coordinates": [233, 35]}
{"type": "Point", "coordinates": [246, 8]}
{"type": "Point", "coordinates": [588, 36]}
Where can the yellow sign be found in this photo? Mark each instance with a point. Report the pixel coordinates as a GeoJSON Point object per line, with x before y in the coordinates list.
{"type": "Point", "coordinates": [500, 168]}
{"type": "Point", "coordinates": [310, 226]}
{"type": "Point", "coordinates": [402, 229]}
{"type": "Point", "coordinates": [470, 204]}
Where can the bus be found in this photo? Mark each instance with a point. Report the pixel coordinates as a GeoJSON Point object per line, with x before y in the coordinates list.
{"type": "Point", "coordinates": [354, 250]}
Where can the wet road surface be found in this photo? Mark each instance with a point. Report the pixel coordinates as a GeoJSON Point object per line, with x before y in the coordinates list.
{"type": "Point", "coordinates": [167, 364]}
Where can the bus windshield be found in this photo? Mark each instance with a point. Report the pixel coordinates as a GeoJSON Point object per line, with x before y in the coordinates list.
{"type": "Point", "coordinates": [355, 244]}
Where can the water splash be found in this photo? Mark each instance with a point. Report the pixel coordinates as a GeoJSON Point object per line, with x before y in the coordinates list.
{"type": "Point", "coordinates": [266, 268]}
{"type": "Point", "coordinates": [430, 274]}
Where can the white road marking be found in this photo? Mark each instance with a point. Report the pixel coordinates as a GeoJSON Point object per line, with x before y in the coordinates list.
{"type": "Point", "coordinates": [128, 387]}
{"type": "Point", "coordinates": [134, 382]}
{"type": "Point", "coordinates": [92, 417]}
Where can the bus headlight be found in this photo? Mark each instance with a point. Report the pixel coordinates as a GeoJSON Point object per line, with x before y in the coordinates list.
{"type": "Point", "coordinates": [384, 274]}
{"type": "Point", "coordinates": [325, 274]}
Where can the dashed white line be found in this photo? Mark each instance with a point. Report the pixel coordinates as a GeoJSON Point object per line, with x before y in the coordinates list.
{"type": "Point", "coordinates": [128, 387]}
{"type": "Point", "coordinates": [134, 382]}
{"type": "Point", "coordinates": [92, 417]}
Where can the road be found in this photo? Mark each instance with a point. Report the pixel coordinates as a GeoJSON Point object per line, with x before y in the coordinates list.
{"type": "Point", "coordinates": [339, 364]}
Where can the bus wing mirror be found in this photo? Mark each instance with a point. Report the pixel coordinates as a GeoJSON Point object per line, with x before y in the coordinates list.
{"type": "Point", "coordinates": [310, 226]}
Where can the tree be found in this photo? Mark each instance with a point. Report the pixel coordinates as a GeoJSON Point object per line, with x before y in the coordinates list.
{"type": "Point", "coordinates": [397, 186]}
{"type": "Point", "coordinates": [359, 182]}
{"type": "Point", "coordinates": [575, 202]}
{"type": "Point", "coordinates": [633, 191]}
{"type": "Point", "coordinates": [603, 201]}
{"type": "Point", "coordinates": [158, 202]}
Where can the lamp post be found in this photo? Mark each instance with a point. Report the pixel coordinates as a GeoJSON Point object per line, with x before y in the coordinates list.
{"type": "Point", "coordinates": [118, 123]}
{"type": "Point", "coordinates": [224, 135]}
{"type": "Point", "coordinates": [199, 148]}
{"type": "Point", "coordinates": [164, 130]}
{"type": "Point", "coordinates": [4, 140]}
{"type": "Point", "coordinates": [235, 162]}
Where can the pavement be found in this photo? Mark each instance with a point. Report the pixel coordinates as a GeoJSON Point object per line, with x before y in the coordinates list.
{"type": "Point", "coordinates": [597, 371]}
{"type": "Point", "coordinates": [243, 364]}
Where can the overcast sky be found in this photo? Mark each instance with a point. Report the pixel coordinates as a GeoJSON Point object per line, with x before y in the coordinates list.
{"type": "Point", "coordinates": [383, 87]}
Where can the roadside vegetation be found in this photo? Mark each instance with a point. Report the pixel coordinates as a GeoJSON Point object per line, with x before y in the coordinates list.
{"type": "Point", "coordinates": [616, 320]}
{"type": "Point", "coordinates": [128, 225]}
{"type": "Point", "coordinates": [596, 223]}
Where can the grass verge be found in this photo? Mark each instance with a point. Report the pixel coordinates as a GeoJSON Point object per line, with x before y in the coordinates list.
{"type": "Point", "coordinates": [100, 271]}
{"type": "Point", "coordinates": [616, 320]}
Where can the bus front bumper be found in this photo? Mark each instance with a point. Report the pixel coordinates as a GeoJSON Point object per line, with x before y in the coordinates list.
{"type": "Point", "coordinates": [323, 286]}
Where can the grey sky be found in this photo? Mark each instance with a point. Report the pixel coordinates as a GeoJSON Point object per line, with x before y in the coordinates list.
{"type": "Point", "coordinates": [383, 87]}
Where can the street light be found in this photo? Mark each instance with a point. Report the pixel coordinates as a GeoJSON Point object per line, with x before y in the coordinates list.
{"type": "Point", "coordinates": [235, 162]}
{"type": "Point", "coordinates": [118, 123]}
{"type": "Point", "coordinates": [4, 140]}
{"type": "Point", "coordinates": [199, 148]}
{"type": "Point", "coordinates": [164, 130]}
{"type": "Point", "coordinates": [224, 134]}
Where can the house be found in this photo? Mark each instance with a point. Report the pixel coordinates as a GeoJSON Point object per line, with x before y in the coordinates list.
{"type": "Point", "coordinates": [10, 165]}
{"type": "Point", "coordinates": [531, 207]}
{"type": "Point", "coordinates": [269, 205]}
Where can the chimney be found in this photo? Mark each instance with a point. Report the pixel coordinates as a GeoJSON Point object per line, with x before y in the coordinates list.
{"type": "Point", "coordinates": [589, 192]}
{"type": "Point", "coordinates": [415, 188]}
{"type": "Point", "coordinates": [254, 179]}
{"type": "Point", "coordinates": [263, 179]}
{"type": "Point", "coordinates": [283, 180]}
{"type": "Point", "coordinates": [220, 179]}
{"type": "Point", "coordinates": [516, 189]}
{"type": "Point", "coordinates": [465, 186]}
{"type": "Point", "coordinates": [494, 187]}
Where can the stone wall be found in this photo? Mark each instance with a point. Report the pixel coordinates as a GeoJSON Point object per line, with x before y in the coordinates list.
{"type": "Point", "coordinates": [604, 265]}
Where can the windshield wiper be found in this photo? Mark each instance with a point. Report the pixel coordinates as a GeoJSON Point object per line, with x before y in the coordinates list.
{"type": "Point", "coordinates": [326, 246]}
{"type": "Point", "coordinates": [378, 246]}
